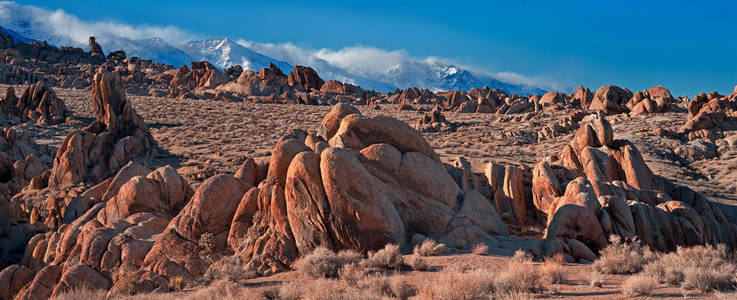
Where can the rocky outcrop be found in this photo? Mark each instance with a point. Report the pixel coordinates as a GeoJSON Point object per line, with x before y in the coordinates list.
{"type": "Point", "coordinates": [377, 182]}
{"type": "Point", "coordinates": [596, 186]}
{"type": "Point", "coordinates": [710, 115]}
{"type": "Point", "coordinates": [434, 121]}
{"type": "Point", "coordinates": [38, 102]}
{"type": "Point", "coordinates": [306, 77]}
{"type": "Point", "coordinates": [95, 50]}
{"type": "Point", "coordinates": [656, 99]}
{"type": "Point", "coordinates": [117, 136]}
{"type": "Point", "coordinates": [210, 211]}
{"type": "Point", "coordinates": [610, 99]}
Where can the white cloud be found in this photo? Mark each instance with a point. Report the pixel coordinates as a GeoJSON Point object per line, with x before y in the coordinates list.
{"type": "Point", "coordinates": [39, 23]}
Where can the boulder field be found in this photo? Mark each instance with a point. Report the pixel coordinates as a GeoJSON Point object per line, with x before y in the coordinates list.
{"type": "Point", "coordinates": [104, 216]}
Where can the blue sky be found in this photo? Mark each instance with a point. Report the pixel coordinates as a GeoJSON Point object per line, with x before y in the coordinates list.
{"type": "Point", "coordinates": [688, 46]}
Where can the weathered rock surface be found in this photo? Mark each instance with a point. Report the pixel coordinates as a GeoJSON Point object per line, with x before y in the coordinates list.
{"type": "Point", "coordinates": [117, 136]}
{"type": "Point", "coordinates": [38, 102]}
{"type": "Point", "coordinates": [378, 182]}
{"type": "Point", "coordinates": [597, 186]}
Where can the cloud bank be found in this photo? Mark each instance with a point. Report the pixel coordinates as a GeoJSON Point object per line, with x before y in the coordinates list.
{"type": "Point", "coordinates": [39, 23]}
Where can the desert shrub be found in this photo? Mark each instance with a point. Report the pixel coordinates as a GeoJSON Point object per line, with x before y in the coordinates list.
{"type": "Point", "coordinates": [82, 294]}
{"type": "Point", "coordinates": [229, 268]}
{"type": "Point", "coordinates": [480, 249]}
{"type": "Point", "coordinates": [207, 242]}
{"type": "Point", "coordinates": [454, 283]}
{"type": "Point", "coordinates": [430, 247]}
{"type": "Point", "coordinates": [324, 263]}
{"type": "Point", "coordinates": [370, 287]}
{"type": "Point", "coordinates": [521, 256]}
{"type": "Point", "coordinates": [596, 279]}
{"type": "Point", "coordinates": [418, 263]}
{"type": "Point", "coordinates": [553, 271]}
{"type": "Point", "coordinates": [177, 283]}
{"type": "Point", "coordinates": [393, 287]}
{"type": "Point", "coordinates": [352, 273]}
{"type": "Point", "coordinates": [708, 279]}
{"type": "Point", "coordinates": [517, 278]}
{"type": "Point", "coordinates": [701, 268]}
{"type": "Point", "coordinates": [622, 257]}
{"type": "Point", "coordinates": [388, 258]}
{"type": "Point", "coordinates": [639, 285]}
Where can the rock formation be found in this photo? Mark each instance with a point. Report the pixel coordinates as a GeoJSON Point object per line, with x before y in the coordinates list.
{"type": "Point", "coordinates": [118, 135]}
{"type": "Point", "coordinates": [38, 102]}
{"type": "Point", "coordinates": [305, 76]}
{"type": "Point", "coordinates": [376, 181]}
{"type": "Point", "coordinates": [597, 185]}
{"type": "Point", "coordinates": [95, 49]}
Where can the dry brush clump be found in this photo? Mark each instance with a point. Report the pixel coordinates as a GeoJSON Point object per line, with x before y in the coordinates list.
{"type": "Point", "coordinates": [639, 285]}
{"type": "Point", "coordinates": [418, 263]}
{"type": "Point", "coordinates": [454, 283]}
{"type": "Point", "coordinates": [596, 279]}
{"type": "Point", "coordinates": [553, 271]}
{"type": "Point", "coordinates": [701, 268]}
{"type": "Point", "coordinates": [82, 294]}
{"type": "Point", "coordinates": [389, 258]}
{"type": "Point", "coordinates": [517, 279]}
{"type": "Point", "coordinates": [230, 268]}
{"type": "Point", "coordinates": [369, 287]}
{"type": "Point", "coordinates": [623, 257]}
{"type": "Point", "coordinates": [324, 263]}
{"type": "Point", "coordinates": [430, 247]}
{"type": "Point", "coordinates": [480, 249]}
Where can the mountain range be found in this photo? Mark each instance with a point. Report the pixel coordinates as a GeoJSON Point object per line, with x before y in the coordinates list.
{"type": "Point", "coordinates": [224, 52]}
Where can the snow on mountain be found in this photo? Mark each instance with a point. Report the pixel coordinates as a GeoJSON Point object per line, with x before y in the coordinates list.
{"type": "Point", "coordinates": [370, 68]}
{"type": "Point", "coordinates": [17, 37]}
{"type": "Point", "coordinates": [223, 53]}
{"type": "Point", "coordinates": [154, 49]}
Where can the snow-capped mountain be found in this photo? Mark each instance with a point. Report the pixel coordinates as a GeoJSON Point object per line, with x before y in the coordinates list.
{"type": "Point", "coordinates": [154, 49]}
{"type": "Point", "coordinates": [17, 38]}
{"type": "Point", "coordinates": [29, 23]}
{"type": "Point", "coordinates": [223, 53]}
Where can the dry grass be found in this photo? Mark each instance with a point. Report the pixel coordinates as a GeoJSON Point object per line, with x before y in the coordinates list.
{"type": "Point", "coordinates": [324, 263]}
{"type": "Point", "coordinates": [82, 294]}
{"type": "Point", "coordinates": [218, 290]}
{"type": "Point", "coordinates": [518, 278]}
{"type": "Point", "coordinates": [370, 287]}
{"type": "Point", "coordinates": [622, 257]}
{"type": "Point", "coordinates": [207, 242]}
{"type": "Point", "coordinates": [639, 285]}
{"type": "Point", "coordinates": [480, 249]}
{"type": "Point", "coordinates": [388, 258]}
{"type": "Point", "coordinates": [430, 247]}
{"type": "Point", "coordinates": [553, 271]}
{"type": "Point", "coordinates": [229, 268]}
{"type": "Point", "coordinates": [701, 268]}
{"type": "Point", "coordinates": [418, 263]}
{"type": "Point", "coordinates": [352, 273]}
{"type": "Point", "coordinates": [521, 256]}
{"type": "Point", "coordinates": [596, 279]}
{"type": "Point", "coordinates": [177, 283]}
{"type": "Point", "coordinates": [453, 283]}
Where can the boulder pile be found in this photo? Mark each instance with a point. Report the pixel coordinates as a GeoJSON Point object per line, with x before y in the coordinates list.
{"type": "Point", "coordinates": [118, 135]}
{"type": "Point", "coordinates": [38, 102]}
{"type": "Point", "coordinates": [596, 186]}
